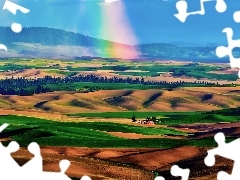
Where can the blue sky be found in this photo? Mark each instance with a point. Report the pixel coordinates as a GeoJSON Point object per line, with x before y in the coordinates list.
{"type": "Point", "coordinates": [151, 21]}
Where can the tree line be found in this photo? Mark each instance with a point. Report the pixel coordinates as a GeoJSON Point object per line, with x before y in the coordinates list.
{"type": "Point", "coordinates": [24, 86]}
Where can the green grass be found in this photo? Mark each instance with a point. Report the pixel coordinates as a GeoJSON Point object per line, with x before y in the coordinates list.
{"type": "Point", "coordinates": [153, 69]}
{"type": "Point", "coordinates": [128, 114]}
{"type": "Point", "coordinates": [12, 67]}
{"type": "Point", "coordinates": [106, 86]}
{"type": "Point", "coordinates": [67, 73]}
{"type": "Point", "coordinates": [89, 134]}
{"type": "Point", "coordinates": [229, 77]}
{"type": "Point", "coordinates": [118, 86]}
{"type": "Point", "coordinates": [173, 118]}
{"type": "Point", "coordinates": [199, 118]}
{"type": "Point", "coordinates": [115, 127]}
{"type": "Point", "coordinates": [85, 134]}
{"type": "Point", "coordinates": [25, 130]}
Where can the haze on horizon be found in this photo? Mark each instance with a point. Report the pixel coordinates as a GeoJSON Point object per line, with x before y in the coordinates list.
{"type": "Point", "coordinates": [137, 21]}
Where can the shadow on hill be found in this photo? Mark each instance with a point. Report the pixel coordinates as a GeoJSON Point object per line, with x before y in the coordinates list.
{"type": "Point", "coordinates": [41, 105]}
{"type": "Point", "coordinates": [78, 103]}
{"type": "Point", "coordinates": [127, 93]}
{"type": "Point", "coordinates": [206, 97]}
{"type": "Point", "coordinates": [151, 99]}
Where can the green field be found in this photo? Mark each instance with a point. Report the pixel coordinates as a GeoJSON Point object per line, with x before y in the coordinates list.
{"type": "Point", "coordinates": [25, 130]}
{"type": "Point", "coordinates": [173, 118]}
{"type": "Point", "coordinates": [143, 69]}
{"type": "Point", "coordinates": [129, 114]}
{"type": "Point", "coordinates": [118, 86]}
{"type": "Point", "coordinates": [93, 134]}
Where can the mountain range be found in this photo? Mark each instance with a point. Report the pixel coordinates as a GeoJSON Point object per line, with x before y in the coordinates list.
{"type": "Point", "coordinates": [42, 42]}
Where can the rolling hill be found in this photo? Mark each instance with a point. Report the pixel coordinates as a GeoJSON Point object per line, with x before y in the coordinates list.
{"type": "Point", "coordinates": [55, 43]}
{"type": "Point", "coordinates": [180, 99]}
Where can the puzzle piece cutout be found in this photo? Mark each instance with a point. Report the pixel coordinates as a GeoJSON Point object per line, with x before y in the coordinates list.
{"type": "Point", "coordinates": [33, 169]}
{"type": "Point", "coordinates": [182, 8]}
{"type": "Point", "coordinates": [236, 16]}
{"type": "Point", "coordinates": [228, 150]}
{"type": "Point", "coordinates": [16, 27]}
{"type": "Point", "coordinates": [222, 51]}
{"type": "Point", "coordinates": [12, 7]}
{"type": "Point", "coordinates": [177, 171]}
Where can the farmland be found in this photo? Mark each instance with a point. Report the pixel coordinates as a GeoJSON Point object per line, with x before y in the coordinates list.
{"type": "Point", "coordinates": [96, 136]}
{"type": "Point", "coordinates": [152, 69]}
{"type": "Point", "coordinates": [82, 110]}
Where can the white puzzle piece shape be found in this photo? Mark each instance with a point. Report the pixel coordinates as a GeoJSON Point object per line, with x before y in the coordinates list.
{"type": "Point", "coordinates": [33, 169]}
{"type": "Point", "coordinates": [222, 51]}
{"type": "Point", "coordinates": [182, 8]}
{"type": "Point", "coordinates": [228, 150]}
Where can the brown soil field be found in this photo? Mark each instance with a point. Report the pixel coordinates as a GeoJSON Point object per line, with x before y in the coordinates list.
{"type": "Point", "coordinates": [210, 129]}
{"type": "Point", "coordinates": [109, 163]}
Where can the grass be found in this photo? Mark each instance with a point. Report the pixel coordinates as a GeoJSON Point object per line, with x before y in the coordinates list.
{"type": "Point", "coordinates": [105, 86]}
{"type": "Point", "coordinates": [120, 67]}
{"type": "Point", "coordinates": [128, 114]}
{"type": "Point", "coordinates": [115, 127]}
{"type": "Point", "coordinates": [25, 130]}
{"type": "Point", "coordinates": [117, 86]}
{"type": "Point", "coordinates": [199, 118]}
{"type": "Point", "coordinates": [174, 118]}
{"type": "Point", "coordinates": [67, 73]}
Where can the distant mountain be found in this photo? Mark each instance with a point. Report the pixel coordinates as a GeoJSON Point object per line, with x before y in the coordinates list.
{"type": "Point", "coordinates": [174, 52]}
{"type": "Point", "coordinates": [48, 37]}
{"type": "Point", "coordinates": [54, 43]}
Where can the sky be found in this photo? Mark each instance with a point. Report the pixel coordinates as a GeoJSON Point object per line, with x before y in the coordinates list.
{"type": "Point", "coordinates": [128, 21]}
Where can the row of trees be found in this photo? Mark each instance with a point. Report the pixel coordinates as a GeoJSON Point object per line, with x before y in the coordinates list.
{"type": "Point", "coordinates": [24, 86]}
{"type": "Point", "coordinates": [25, 92]}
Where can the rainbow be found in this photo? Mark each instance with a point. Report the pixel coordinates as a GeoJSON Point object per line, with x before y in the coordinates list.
{"type": "Point", "coordinates": [115, 26]}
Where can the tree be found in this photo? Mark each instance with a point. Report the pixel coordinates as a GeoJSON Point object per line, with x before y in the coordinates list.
{"type": "Point", "coordinates": [154, 119]}
{"type": "Point", "coordinates": [134, 118]}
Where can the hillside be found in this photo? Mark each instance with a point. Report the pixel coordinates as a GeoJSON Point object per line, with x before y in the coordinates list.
{"type": "Point", "coordinates": [52, 43]}
{"type": "Point", "coordinates": [55, 43]}
{"type": "Point", "coordinates": [180, 99]}
{"type": "Point", "coordinates": [178, 52]}
{"type": "Point", "coordinates": [48, 37]}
